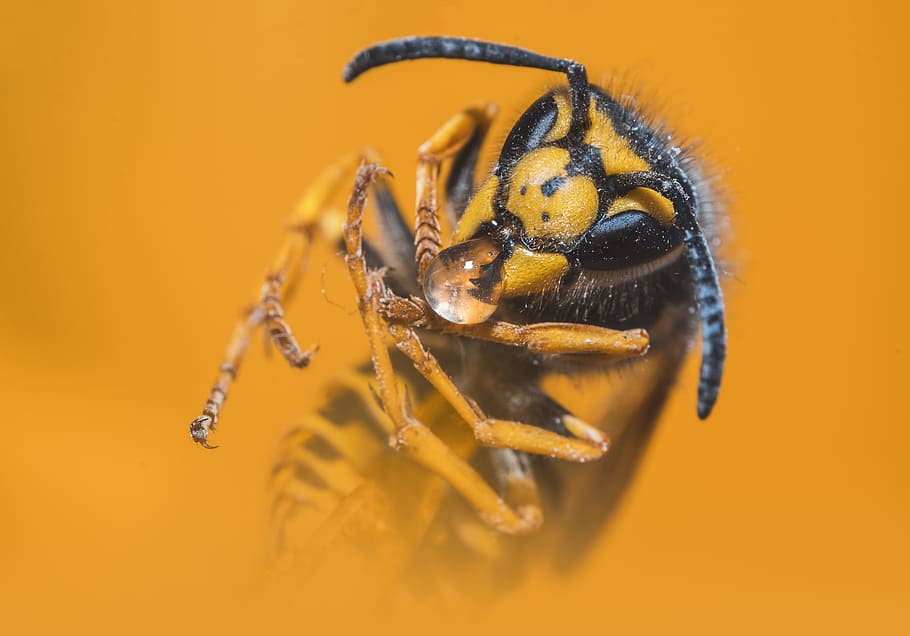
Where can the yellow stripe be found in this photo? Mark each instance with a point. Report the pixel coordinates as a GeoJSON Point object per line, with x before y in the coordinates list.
{"type": "Point", "coordinates": [563, 118]}
{"type": "Point", "coordinates": [479, 211]}
{"type": "Point", "coordinates": [615, 151]}
{"type": "Point", "coordinates": [647, 201]}
{"type": "Point", "coordinates": [527, 272]}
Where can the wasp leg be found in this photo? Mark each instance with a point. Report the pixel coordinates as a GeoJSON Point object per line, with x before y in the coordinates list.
{"type": "Point", "coordinates": [541, 337]}
{"type": "Point", "coordinates": [407, 433]}
{"type": "Point", "coordinates": [227, 372]}
{"type": "Point", "coordinates": [478, 537]}
{"type": "Point", "coordinates": [338, 475]}
{"type": "Point", "coordinates": [290, 482]}
{"type": "Point", "coordinates": [395, 250]}
{"type": "Point", "coordinates": [353, 443]}
{"type": "Point", "coordinates": [554, 337]}
{"type": "Point", "coordinates": [360, 387]}
{"type": "Point", "coordinates": [313, 217]}
{"type": "Point", "coordinates": [513, 475]}
{"type": "Point", "coordinates": [309, 219]}
{"type": "Point", "coordinates": [276, 293]}
{"type": "Point", "coordinates": [445, 143]}
{"type": "Point", "coordinates": [587, 444]}
{"type": "Point", "coordinates": [302, 532]}
{"type": "Point", "coordinates": [517, 483]}
{"type": "Point", "coordinates": [320, 465]}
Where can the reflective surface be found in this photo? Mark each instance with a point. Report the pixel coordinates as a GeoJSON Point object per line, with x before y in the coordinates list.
{"type": "Point", "coordinates": [462, 283]}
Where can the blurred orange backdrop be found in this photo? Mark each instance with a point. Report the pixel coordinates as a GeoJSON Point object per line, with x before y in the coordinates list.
{"type": "Point", "coordinates": [151, 153]}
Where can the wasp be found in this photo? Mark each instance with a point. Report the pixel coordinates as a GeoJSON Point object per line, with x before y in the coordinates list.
{"type": "Point", "coordinates": [584, 250]}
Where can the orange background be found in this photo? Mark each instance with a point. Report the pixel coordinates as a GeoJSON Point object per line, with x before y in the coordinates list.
{"type": "Point", "coordinates": [151, 152]}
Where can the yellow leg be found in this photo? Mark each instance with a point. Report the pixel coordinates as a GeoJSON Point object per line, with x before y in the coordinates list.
{"type": "Point", "coordinates": [408, 434]}
{"type": "Point", "coordinates": [364, 504]}
{"type": "Point", "coordinates": [361, 387]}
{"type": "Point", "coordinates": [301, 520]}
{"type": "Point", "coordinates": [541, 337]}
{"type": "Point", "coordinates": [227, 372]}
{"type": "Point", "coordinates": [305, 506]}
{"type": "Point", "coordinates": [337, 474]}
{"type": "Point", "coordinates": [311, 218]}
{"type": "Point", "coordinates": [588, 444]}
{"type": "Point", "coordinates": [351, 441]}
{"type": "Point", "coordinates": [555, 337]}
{"type": "Point", "coordinates": [447, 141]}
{"type": "Point", "coordinates": [275, 294]}
{"type": "Point", "coordinates": [301, 492]}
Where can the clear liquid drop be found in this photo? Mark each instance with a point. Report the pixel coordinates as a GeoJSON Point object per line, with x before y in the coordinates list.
{"type": "Point", "coordinates": [463, 284]}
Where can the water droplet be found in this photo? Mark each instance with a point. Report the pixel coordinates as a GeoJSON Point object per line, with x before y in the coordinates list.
{"type": "Point", "coordinates": [462, 284]}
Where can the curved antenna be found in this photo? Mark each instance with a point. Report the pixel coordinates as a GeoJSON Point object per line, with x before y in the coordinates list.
{"type": "Point", "coordinates": [707, 286]}
{"type": "Point", "coordinates": [414, 48]}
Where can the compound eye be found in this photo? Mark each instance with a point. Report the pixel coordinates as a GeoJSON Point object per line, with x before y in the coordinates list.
{"type": "Point", "coordinates": [626, 239]}
{"type": "Point", "coordinates": [463, 284]}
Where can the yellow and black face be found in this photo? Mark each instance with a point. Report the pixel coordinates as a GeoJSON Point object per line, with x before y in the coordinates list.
{"type": "Point", "coordinates": [582, 183]}
{"type": "Point", "coordinates": [551, 203]}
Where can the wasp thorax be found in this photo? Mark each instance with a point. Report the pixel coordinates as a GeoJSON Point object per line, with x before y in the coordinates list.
{"type": "Point", "coordinates": [463, 284]}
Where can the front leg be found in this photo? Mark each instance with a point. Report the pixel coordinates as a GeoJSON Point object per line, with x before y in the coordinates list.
{"type": "Point", "coordinates": [407, 433]}
{"type": "Point", "coordinates": [588, 443]}
{"type": "Point", "coordinates": [312, 218]}
{"type": "Point", "coordinates": [445, 143]}
{"type": "Point", "coordinates": [554, 338]}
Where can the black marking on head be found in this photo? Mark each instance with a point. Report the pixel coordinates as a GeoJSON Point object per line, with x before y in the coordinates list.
{"type": "Point", "coordinates": [526, 135]}
{"type": "Point", "coordinates": [586, 161]}
{"type": "Point", "coordinates": [549, 187]}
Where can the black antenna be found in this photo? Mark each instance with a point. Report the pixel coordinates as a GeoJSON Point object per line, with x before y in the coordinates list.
{"type": "Point", "coordinates": [707, 286]}
{"type": "Point", "coordinates": [414, 48]}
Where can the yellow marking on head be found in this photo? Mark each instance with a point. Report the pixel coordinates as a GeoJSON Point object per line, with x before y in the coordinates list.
{"type": "Point", "coordinates": [571, 206]}
{"type": "Point", "coordinates": [563, 118]}
{"type": "Point", "coordinates": [479, 210]}
{"type": "Point", "coordinates": [615, 151]}
{"type": "Point", "coordinates": [526, 272]}
{"type": "Point", "coordinates": [645, 200]}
